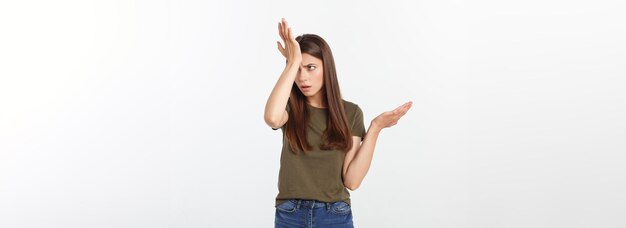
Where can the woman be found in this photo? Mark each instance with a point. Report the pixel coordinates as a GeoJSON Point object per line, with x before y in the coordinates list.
{"type": "Point", "coordinates": [322, 153]}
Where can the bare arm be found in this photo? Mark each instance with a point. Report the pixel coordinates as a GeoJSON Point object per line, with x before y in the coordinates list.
{"type": "Point", "coordinates": [359, 164]}
{"type": "Point", "coordinates": [359, 159]}
{"type": "Point", "coordinates": [275, 114]}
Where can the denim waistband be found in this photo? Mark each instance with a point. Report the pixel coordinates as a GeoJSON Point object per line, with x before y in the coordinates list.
{"type": "Point", "coordinates": [310, 203]}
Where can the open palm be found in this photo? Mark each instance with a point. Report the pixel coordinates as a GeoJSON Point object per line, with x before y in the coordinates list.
{"type": "Point", "coordinates": [291, 50]}
{"type": "Point", "coordinates": [390, 118]}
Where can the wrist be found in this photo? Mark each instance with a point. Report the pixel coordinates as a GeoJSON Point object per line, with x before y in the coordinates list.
{"type": "Point", "coordinates": [291, 67]}
{"type": "Point", "coordinates": [375, 127]}
{"type": "Point", "coordinates": [294, 63]}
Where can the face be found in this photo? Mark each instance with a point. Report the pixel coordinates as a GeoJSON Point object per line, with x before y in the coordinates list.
{"type": "Point", "coordinates": [311, 75]}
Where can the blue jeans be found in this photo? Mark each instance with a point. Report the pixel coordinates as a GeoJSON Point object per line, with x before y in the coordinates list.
{"type": "Point", "coordinates": [313, 213]}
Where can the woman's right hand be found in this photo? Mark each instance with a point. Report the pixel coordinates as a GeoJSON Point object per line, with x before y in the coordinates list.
{"type": "Point", "coordinates": [291, 51]}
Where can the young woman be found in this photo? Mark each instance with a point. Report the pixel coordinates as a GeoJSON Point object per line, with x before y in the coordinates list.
{"type": "Point", "coordinates": [325, 146]}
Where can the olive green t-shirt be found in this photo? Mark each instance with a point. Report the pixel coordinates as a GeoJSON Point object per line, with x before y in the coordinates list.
{"type": "Point", "coordinates": [316, 174]}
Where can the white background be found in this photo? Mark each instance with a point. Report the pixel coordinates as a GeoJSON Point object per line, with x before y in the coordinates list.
{"type": "Point", "coordinates": [150, 113]}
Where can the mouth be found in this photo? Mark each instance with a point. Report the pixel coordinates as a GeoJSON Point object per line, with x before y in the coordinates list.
{"type": "Point", "coordinates": [305, 87]}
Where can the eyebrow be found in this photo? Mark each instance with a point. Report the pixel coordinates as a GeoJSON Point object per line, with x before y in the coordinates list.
{"type": "Point", "coordinates": [309, 64]}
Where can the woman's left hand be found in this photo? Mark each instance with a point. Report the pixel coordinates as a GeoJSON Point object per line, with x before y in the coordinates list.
{"type": "Point", "coordinates": [390, 118]}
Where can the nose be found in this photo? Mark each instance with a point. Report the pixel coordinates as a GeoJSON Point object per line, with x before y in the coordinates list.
{"type": "Point", "coordinates": [303, 77]}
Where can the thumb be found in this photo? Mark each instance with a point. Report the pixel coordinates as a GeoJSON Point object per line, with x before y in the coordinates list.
{"type": "Point", "coordinates": [280, 47]}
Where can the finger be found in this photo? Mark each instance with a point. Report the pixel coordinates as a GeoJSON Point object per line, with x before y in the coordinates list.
{"type": "Point", "coordinates": [280, 31]}
{"type": "Point", "coordinates": [285, 33]}
{"type": "Point", "coordinates": [280, 47]}
{"type": "Point", "coordinates": [399, 113]}
{"type": "Point", "coordinates": [398, 109]}
{"type": "Point", "coordinates": [405, 107]}
{"type": "Point", "coordinates": [404, 110]}
{"type": "Point", "coordinates": [401, 106]}
{"type": "Point", "coordinates": [408, 106]}
{"type": "Point", "coordinates": [285, 23]}
{"type": "Point", "coordinates": [290, 38]}
{"type": "Point", "coordinates": [285, 29]}
{"type": "Point", "coordinates": [287, 40]}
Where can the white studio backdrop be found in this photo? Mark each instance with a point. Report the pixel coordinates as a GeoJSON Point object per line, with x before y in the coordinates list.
{"type": "Point", "coordinates": [150, 113]}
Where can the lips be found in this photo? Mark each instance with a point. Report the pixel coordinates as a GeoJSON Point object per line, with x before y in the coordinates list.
{"type": "Point", "coordinates": [305, 87]}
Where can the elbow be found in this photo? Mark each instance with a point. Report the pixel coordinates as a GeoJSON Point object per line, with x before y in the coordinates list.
{"type": "Point", "coordinates": [271, 121]}
{"type": "Point", "coordinates": [351, 186]}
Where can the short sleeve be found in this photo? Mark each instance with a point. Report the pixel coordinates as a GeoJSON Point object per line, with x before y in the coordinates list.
{"type": "Point", "coordinates": [358, 126]}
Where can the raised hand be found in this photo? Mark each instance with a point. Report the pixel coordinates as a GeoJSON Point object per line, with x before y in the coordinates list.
{"type": "Point", "coordinates": [291, 51]}
{"type": "Point", "coordinates": [390, 118]}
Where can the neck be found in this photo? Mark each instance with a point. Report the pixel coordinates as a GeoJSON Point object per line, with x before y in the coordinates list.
{"type": "Point", "coordinates": [316, 101]}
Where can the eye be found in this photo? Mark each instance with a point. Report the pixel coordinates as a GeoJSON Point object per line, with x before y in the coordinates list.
{"type": "Point", "coordinates": [311, 67]}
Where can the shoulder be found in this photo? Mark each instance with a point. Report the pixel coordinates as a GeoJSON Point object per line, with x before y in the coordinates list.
{"type": "Point", "coordinates": [351, 108]}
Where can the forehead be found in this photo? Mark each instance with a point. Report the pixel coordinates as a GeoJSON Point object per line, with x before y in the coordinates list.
{"type": "Point", "coordinates": [308, 59]}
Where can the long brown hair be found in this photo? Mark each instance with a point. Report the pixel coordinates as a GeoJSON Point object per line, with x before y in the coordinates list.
{"type": "Point", "coordinates": [337, 135]}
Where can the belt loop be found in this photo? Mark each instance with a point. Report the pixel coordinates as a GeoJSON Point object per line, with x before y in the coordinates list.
{"type": "Point", "coordinates": [298, 205]}
{"type": "Point", "coordinates": [327, 206]}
